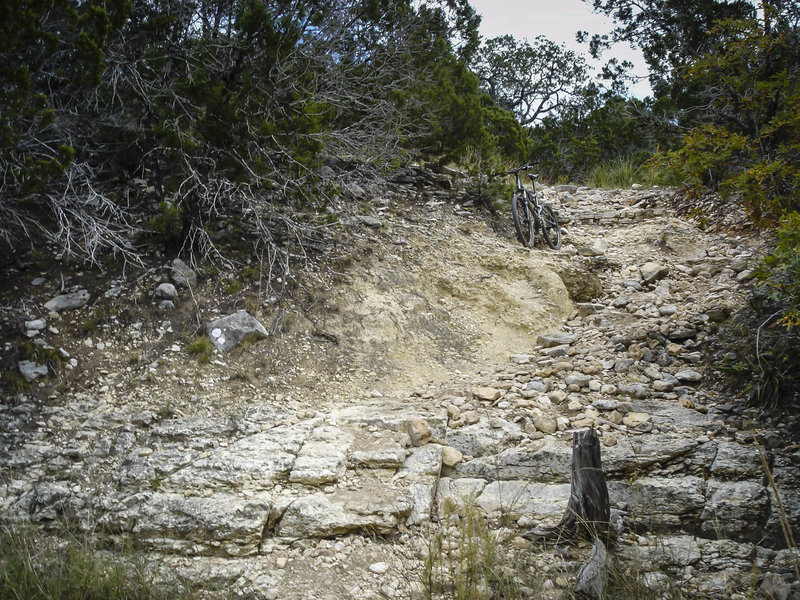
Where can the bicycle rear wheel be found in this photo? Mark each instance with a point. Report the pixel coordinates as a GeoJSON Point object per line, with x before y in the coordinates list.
{"type": "Point", "coordinates": [550, 228]}
{"type": "Point", "coordinates": [523, 221]}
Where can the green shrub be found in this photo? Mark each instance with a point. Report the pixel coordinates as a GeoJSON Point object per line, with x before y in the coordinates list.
{"type": "Point", "coordinates": [780, 270]}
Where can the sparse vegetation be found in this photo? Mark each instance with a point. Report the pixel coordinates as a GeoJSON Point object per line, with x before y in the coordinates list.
{"type": "Point", "coordinates": [15, 383]}
{"type": "Point", "coordinates": [624, 172]}
{"type": "Point", "coordinates": [34, 567]}
{"type": "Point", "coordinates": [201, 348]}
{"type": "Point", "coordinates": [42, 354]}
{"type": "Point", "coordinates": [469, 560]}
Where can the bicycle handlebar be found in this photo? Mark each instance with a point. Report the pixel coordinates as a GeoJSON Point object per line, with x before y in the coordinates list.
{"type": "Point", "coordinates": [522, 168]}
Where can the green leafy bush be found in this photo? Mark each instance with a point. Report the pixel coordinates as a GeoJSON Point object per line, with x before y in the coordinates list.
{"type": "Point", "coordinates": [780, 270]}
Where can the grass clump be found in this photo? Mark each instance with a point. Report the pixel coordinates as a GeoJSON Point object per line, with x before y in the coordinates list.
{"type": "Point", "coordinates": [32, 567]}
{"type": "Point", "coordinates": [201, 348]}
{"type": "Point", "coordinates": [41, 354]}
{"type": "Point", "coordinates": [623, 172]}
{"type": "Point", "coordinates": [466, 560]}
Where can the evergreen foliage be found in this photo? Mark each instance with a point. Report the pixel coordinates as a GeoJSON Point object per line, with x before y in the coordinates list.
{"type": "Point", "coordinates": [218, 108]}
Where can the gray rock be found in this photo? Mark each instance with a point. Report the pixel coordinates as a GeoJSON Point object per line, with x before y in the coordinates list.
{"type": "Point", "coordinates": [661, 503]}
{"type": "Point", "coordinates": [228, 332]}
{"type": "Point", "coordinates": [220, 524]}
{"type": "Point", "coordinates": [323, 458]}
{"type": "Point", "coordinates": [688, 376]}
{"type": "Point", "coordinates": [634, 454]}
{"type": "Point", "coordinates": [166, 291]}
{"type": "Point", "coordinates": [532, 499]}
{"type": "Point", "coordinates": [546, 460]}
{"type": "Point", "coordinates": [666, 384]}
{"type": "Point", "coordinates": [653, 271]}
{"type": "Point", "coordinates": [36, 324]}
{"type": "Point", "coordinates": [606, 404]}
{"type": "Point", "coordinates": [369, 510]}
{"type": "Point", "coordinates": [68, 301]}
{"type": "Point", "coordinates": [182, 274]}
{"type": "Point", "coordinates": [537, 386]}
{"type": "Point", "coordinates": [31, 370]}
{"type": "Point", "coordinates": [578, 379]}
{"type": "Point", "coordinates": [549, 340]}
{"type": "Point", "coordinates": [735, 509]}
{"type": "Point", "coordinates": [586, 309]}
{"type": "Point", "coordinates": [255, 462]}
{"type": "Point", "coordinates": [621, 301]}
{"type": "Point", "coordinates": [481, 438]}
{"type": "Point", "coordinates": [736, 461]}
{"type": "Point", "coordinates": [371, 222]}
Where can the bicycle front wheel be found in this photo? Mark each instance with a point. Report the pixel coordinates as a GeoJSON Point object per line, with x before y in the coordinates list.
{"type": "Point", "coordinates": [523, 221]}
{"type": "Point", "coordinates": [550, 229]}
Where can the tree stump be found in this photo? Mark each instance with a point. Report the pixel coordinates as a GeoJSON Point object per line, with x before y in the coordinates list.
{"type": "Point", "coordinates": [588, 510]}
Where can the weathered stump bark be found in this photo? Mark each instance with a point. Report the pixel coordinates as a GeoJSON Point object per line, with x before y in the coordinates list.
{"type": "Point", "coordinates": [588, 510]}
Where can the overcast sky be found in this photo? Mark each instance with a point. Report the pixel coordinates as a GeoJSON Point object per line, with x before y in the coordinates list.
{"type": "Point", "coordinates": [557, 20]}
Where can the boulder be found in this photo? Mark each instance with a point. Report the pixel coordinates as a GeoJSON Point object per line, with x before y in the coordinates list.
{"type": "Point", "coordinates": [228, 332]}
{"type": "Point", "coordinates": [68, 301]}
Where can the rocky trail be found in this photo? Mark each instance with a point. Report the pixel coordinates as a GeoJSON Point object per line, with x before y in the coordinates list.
{"type": "Point", "coordinates": [436, 364]}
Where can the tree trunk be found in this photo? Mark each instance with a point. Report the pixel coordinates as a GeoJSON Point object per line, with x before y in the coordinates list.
{"type": "Point", "coordinates": [588, 511]}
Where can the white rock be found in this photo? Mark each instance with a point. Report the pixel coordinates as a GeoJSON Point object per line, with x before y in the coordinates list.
{"type": "Point", "coordinates": [379, 568]}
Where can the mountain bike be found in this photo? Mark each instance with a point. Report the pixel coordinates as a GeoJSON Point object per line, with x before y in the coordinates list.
{"type": "Point", "coordinates": [531, 215]}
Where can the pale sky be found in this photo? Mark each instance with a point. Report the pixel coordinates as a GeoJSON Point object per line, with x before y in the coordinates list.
{"type": "Point", "coordinates": [557, 20]}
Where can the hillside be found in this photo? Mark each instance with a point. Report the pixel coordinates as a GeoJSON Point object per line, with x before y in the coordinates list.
{"type": "Point", "coordinates": [423, 361]}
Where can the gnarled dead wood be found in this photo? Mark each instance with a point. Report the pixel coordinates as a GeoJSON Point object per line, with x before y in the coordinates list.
{"type": "Point", "coordinates": [588, 510]}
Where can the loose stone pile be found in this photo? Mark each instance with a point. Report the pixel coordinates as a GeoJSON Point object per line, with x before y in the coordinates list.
{"type": "Point", "coordinates": [283, 503]}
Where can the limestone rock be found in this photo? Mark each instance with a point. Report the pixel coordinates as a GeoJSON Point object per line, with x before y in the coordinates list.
{"type": "Point", "coordinates": [663, 503]}
{"type": "Point", "coordinates": [653, 271]}
{"type": "Point", "coordinates": [371, 222]}
{"type": "Point", "coordinates": [166, 291]}
{"type": "Point", "coordinates": [68, 301]}
{"type": "Point", "coordinates": [182, 274]}
{"type": "Point", "coordinates": [228, 332]}
{"type": "Point", "coordinates": [736, 461]}
{"type": "Point", "coordinates": [549, 340]}
{"type": "Point", "coordinates": [419, 431]}
{"type": "Point", "coordinates": [546, 424]}
{"type": "Point", "coordinates": [735, 509]}
{"type": "Point", "coordinates": [219, 524]}
{"type": "Point", "coordinates": [450, 456]}
{"type": "Point", "coordinates": [31, 370]}
{"type": "Point", "coordinates": [634, 419]}
{"type": "Point", "coordinates": [368, 510]}
{"type": "Point", "coordinates": [487, 394]}
{"type": "Point", "coordinates": [688, 376]}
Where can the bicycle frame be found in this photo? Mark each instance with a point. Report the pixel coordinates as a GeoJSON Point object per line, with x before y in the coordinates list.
{"type": "Point", "coordinates": [531, 197]}
{"type": "Point", "coordinates": [530, 215]}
